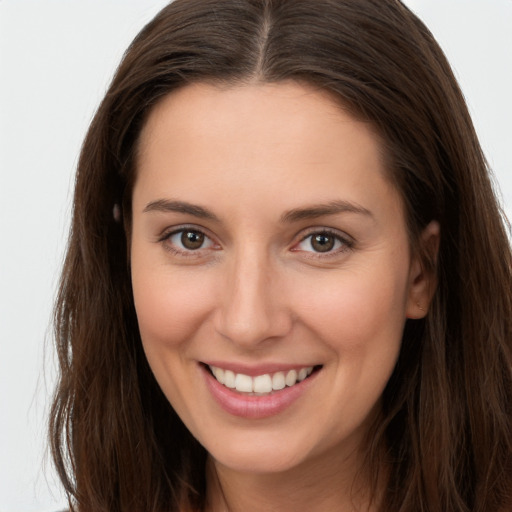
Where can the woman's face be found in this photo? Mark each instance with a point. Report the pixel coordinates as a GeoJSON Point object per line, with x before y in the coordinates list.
{"type": "Point", "coordinates": [269, 249]}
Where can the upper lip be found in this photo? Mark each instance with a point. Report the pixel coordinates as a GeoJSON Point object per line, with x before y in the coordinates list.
{"type": "Point", "coordinates": [252, 370]}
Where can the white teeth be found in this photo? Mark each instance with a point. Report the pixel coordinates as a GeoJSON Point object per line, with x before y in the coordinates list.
{"type": "Point", "coordinates": [260, 384]}
{"type": "Point", "coordinates": [219, 374]}
{"type": "Point", "coordinates": [243, 383]}
{"type": "Point", "coordinates": [278, 381]}
{"type": "Point", "coordinates": [229, 379]}
{"type": "Point", "coordinates": [291, 378]}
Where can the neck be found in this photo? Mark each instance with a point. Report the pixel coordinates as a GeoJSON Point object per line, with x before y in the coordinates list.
{"type": "Point", "coordinates": [339, 486]}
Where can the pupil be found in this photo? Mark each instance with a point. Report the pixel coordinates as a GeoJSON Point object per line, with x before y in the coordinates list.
{"type": "Point", "coordinates": [192, 239]}
{"type": "Point", "coordinates": [322, 242]}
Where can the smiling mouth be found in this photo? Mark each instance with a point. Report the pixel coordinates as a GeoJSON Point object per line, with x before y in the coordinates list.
{"type": "Point", "coordinates": [261, 385]}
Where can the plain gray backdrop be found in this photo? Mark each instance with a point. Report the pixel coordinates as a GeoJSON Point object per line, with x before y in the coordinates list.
{"type": "Point", "coordinates": [56, 59]}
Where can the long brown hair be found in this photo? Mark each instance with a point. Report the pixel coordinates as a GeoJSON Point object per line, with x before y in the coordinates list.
{"type": "Point", "coordinates": [445, 430]}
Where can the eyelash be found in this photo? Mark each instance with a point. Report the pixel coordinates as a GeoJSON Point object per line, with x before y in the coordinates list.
{"type": "Point", "coordinates": [165, 240]}
{"type": "Point", "coordinates": [345, 242]}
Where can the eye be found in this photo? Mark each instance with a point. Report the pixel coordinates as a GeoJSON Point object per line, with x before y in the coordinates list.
{"type": "Point", "coordinates": [188, 240]}
{"type": "Point", "coordinates": [323, 242]}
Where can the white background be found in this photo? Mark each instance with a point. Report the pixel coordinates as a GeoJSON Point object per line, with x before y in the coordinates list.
{"type": "Point", "coordinates": [56, 59]}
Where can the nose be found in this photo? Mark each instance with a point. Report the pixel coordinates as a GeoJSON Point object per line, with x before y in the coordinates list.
{"type": "Point", "coordinates": [252, 308]}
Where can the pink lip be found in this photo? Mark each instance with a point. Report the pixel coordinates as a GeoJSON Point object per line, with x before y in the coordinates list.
{"type": "Point", "coordinates": [251, 406]}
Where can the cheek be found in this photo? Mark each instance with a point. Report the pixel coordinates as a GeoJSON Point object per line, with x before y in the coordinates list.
{"type": "Point", "coordinates": [358, 309]}
{"type": "Point", "coordinates": [170, 305]}
{"type": "Point", "coordinates": [170, 312]}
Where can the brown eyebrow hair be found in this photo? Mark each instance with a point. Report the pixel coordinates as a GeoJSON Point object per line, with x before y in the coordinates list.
{"type": "Point", "coordinates": [166, 205]}
{"type": "Point", "coordinates": [319, 210]}
{"type": "Point", "coordinates": [309, 212]}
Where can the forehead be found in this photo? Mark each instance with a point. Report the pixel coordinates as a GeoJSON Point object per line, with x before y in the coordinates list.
{"type": "Point", "coordinates": [286, 110]}
{"type": "Point", "coordinates": [291, 138]}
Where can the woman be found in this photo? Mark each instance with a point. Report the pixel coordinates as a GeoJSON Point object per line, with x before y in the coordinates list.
{"type": "Point", "coordinates": [288, 283]}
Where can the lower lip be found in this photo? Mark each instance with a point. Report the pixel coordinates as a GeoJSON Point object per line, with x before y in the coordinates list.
{"type": "Point", "coordinates": [255, 407]}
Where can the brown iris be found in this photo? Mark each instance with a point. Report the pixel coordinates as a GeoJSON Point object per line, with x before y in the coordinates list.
{"type": "Point", "coordinates": [192, 239]}
{"type": "Point", "coordinates": [322, 242]}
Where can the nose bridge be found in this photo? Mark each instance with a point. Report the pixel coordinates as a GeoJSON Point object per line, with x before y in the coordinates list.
{"type": "Point", "coordinates": [252, 308]}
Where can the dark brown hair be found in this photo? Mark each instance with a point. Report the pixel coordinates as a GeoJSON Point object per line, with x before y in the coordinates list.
{"type": "Point", "coordinates": [445, 429]}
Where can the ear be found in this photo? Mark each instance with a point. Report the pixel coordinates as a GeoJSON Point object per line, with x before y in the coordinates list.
{"type": "Point", "coordinates": [422, 279]}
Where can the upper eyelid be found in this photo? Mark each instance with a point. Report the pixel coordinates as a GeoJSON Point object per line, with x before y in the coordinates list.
{"type": "Point", "coordinates": [303, 234]}
{"type": "Point", "coordinates": [168, 231]}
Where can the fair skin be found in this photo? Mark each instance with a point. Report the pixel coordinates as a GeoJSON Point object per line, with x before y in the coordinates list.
{"type": "Point", "coordinates": [267, 238]}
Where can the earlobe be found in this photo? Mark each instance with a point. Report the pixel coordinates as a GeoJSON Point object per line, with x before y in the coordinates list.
{"type": "Point", "coordinates": [423, 276]}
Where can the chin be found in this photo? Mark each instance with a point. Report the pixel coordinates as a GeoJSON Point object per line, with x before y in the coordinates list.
{"type": "Point", "coordinates": [258, 457]}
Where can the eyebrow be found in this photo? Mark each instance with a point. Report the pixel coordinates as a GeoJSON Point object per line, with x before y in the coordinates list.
{"type": "Point", "coordinates": [297, 214]}
{"type": "Point", "coordinates": [166, 205]}
{"type": "Point", "coordinates": [319, 210]}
